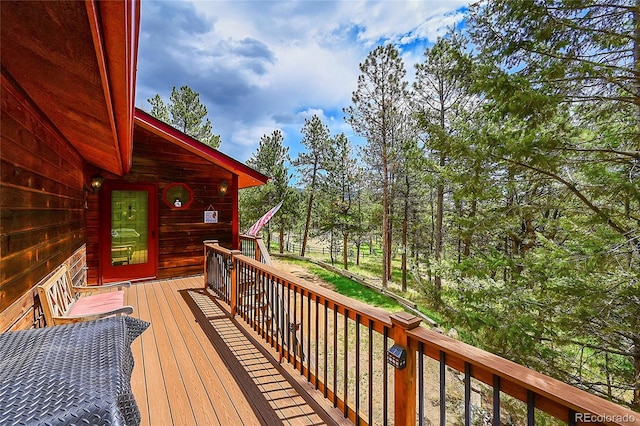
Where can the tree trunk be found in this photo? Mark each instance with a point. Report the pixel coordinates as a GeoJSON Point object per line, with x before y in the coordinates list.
{"type": "Point", "coordinates": [440, 196]}
{"type": "Point", "coordinates": [404, 254]}
{"type": "Point", "coordinates": [308, 219]}
{"type": "Point", "coordinates": [268, 237]}
{"type": "Point", "coordinates": [331, 247]}
{"type": "Point", "coordinates": [635, 404]}
{"type": "Point", "coordinates": [438, 231]}
{"type": "Point", "coordinates": [385, 217]}
{"type": "Point", "coordinates": [405, 222]}
{"type": "Point", "coordinates": [345, 256]}
{"type": "Point", "coordinates": [467, 239]}
{"type": "Point", "coordinates": [281, 238]}
{"type": "Point", "coordinates": [390, 239]}
{"type": "Point", "coordinates": [634, 247]}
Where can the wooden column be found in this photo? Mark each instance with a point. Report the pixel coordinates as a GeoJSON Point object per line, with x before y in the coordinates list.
{"type": "Point", "coordinates": [405, 379]}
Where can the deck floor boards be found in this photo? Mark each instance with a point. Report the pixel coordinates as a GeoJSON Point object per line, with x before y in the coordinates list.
{"type": "Point", "coordinates": [196, 366]}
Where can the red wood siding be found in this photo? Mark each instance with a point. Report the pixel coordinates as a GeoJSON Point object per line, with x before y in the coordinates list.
{"type": "Point", "coordinates": [181, 232]}
{"type": "Point", "coordinates": [42, 214]}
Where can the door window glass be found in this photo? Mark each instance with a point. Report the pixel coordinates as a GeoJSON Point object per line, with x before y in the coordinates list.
{"type": "Point", "coordinates": [129, 227]}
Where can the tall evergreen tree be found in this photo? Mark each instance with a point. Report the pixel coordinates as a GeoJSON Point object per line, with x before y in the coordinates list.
{"type": "Point", "coordinates": [270, 159]}
{"type": "Point", "coordinates": [442, 100]}
{"type": "Point", "coordinates": [561, 81]}
{"type": "Point", "coordinates": [338, 192]}
{"type": "Point", "coordinates": [381, 94]}
{"type": "Point", "coordinates": [310, 164]}
{"type": "Point", "coordinates": [186, 113]}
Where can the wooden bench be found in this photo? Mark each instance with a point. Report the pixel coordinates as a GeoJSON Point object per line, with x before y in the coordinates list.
{"type": "Point", "coordinates": [64, 303]}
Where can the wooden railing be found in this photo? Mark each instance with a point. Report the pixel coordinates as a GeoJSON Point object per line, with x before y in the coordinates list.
{"type": "Point", "coordinates": [340, 345]}
{"type": "Point", "coordinates": [255, 248]}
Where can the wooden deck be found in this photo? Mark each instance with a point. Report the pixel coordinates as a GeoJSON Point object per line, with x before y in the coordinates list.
{"type": "Point", "coordinates": [195, 365]}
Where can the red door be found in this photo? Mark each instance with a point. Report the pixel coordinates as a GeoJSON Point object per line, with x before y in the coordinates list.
{"type": "Point", "coordinates": [128, 231]}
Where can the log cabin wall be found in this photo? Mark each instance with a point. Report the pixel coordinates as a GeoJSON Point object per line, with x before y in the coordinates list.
{"type": "Point", "coordinates": [181, 232]}
{"type": "Point", "coordinates": [42, 205]}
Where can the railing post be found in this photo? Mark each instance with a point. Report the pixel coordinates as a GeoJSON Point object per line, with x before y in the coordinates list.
{"type": "Point", "coordinates": [233, 302]}
{"type": "Point", "coordinates": [405, 379]}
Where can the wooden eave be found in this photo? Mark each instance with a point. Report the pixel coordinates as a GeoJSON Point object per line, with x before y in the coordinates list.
{"type": "Point", "coordinates": [77, 62]}
{"type": "Point", "coordinates": [247, 177]}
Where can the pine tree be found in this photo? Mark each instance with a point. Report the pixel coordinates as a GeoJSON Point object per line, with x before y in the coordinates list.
{"type": "Point", "coordinates": [380, 95]}
{"type": "Point", "coordinates": [562, 89]}
{"type": "Point", "coordinates": [442, 100]}
{"type": "Point", "coordinates": [186, 113]}
{"type": "Point", "coordinates": [310, 165]}
{"type": "Point", "coordinates": [270, 159]}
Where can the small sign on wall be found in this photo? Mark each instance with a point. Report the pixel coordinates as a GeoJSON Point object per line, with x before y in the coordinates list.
{"type": "Point", "coordinates": [210, 216]}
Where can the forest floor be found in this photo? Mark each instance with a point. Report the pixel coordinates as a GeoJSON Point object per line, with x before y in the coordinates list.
{"type": "Point", "coordinates": [455, 387]}
{"type": "Point", "coordinates": [481, 395]}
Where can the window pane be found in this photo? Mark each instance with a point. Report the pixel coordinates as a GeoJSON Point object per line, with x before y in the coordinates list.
{"type": "Point", "coordinates": [129, 227]}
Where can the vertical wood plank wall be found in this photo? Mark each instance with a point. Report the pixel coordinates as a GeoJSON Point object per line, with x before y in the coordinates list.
{"type": "Point", "coordinates": [42, 203]}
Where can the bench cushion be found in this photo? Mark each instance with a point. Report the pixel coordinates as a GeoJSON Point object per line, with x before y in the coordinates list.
{"type": "Point", "coordinates": [97, 303]}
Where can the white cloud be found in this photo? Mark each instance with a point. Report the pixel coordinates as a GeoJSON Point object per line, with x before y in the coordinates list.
{"type": "Point", "coordinates": [262, 65]}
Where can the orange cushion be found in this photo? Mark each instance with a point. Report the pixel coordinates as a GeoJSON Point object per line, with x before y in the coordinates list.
{"type": "Point", "coordinates": [97, 303]}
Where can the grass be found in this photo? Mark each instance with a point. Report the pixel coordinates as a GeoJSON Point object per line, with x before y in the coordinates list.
{"type": "Point", "coordinates": [354, 290]}
{"type": "Point", "coordinates": [348, 287]}
{"type": "Point", "coordinates": [371, 267]}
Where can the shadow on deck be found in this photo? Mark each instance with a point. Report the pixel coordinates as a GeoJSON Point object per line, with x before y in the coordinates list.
{"type": "Point", "coordinates": [198, 365]}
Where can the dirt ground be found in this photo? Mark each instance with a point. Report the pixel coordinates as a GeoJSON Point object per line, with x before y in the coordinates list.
{"type": "Point", "coordinates": [299, 272]}
{"type": "Point", "coordinates": [455, 388]}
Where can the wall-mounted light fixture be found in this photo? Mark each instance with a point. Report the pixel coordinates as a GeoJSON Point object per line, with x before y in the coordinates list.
{"type": "Point", "coordinates": [222, 189]}
{"type": "Point", "coordinates": [96, 182]}
{"type": "Point", "coordinates": [397, 357]}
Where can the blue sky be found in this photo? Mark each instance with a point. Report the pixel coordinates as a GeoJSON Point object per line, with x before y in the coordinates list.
{"type": "Point", "coordinates": [266, 65]}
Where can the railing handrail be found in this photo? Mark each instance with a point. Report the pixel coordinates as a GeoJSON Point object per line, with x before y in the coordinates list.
{"type": "Point", "coordinates": [517, 379]}
{"type": "Point", "coordinates": [537, 390]}
{"type": "Point", "coordinates": [214, 245]}
{"type": "Point", "coordinates": [354, 306]}
{"type": "Point", "coordinates": [259, 248]}
{"type": "Point", "coordinates": [264, 252]}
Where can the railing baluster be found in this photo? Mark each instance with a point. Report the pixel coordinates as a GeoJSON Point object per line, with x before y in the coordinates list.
{"type": "Point", "coordinates": [308, 356]}
{"type": "Point", "coordinates": [420, 383]}
{"type": "Point", "coordinates": [281, 318]}
{"type": "Point", "coordinates": [467, 394]}
{"type": "Point", "coordinates": [571, 421]}
{"type": "Point", "coordinates": [272, 326]}
{"type": "Point", "coordinates": [346, 362]}
{"type": "Point", "coordinates": [253, 302]}
{"type": "Point", "coordinates": [370, 396]}
{"type": "Point", "coordinates": [335, 356]}
{"type": "Point", "coordinates": [385, 378]}
{"type": "Point", "coordinates": [264, 307]}
{"type": "Point", "coordinates": [531, 408]}
{"type": "Point", "coordinates": [443, 389]}
{"type": "Point", "coordinates": [294, 337]}
{"type": "Point", "coordinates": [300, 335]}
{"type": "Point", "coordinates": [326, 351]}
{"type": "Point", "coordinates": [357, 376]}
{"type": "Point", "coordinates": [288, 323]}
{"type": "Point", "coordinates": [496, 400]}
{"type": "Point", "coordinates": [316, 301]}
